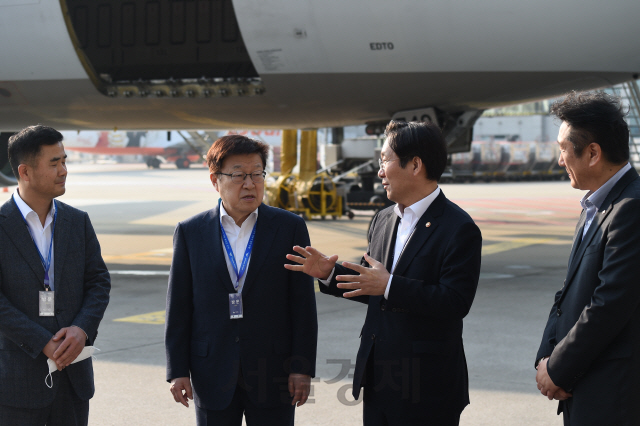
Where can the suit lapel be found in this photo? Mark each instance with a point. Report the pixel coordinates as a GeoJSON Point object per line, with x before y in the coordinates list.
{"type": "Point", "coordinates": [13, 224]}
{"type": "Point", "coordinates": [211, 241]}
{"type": "Point", "coordinates": [389, 233]}
{"type": "Point", "coordinates": [600, 216]}
{"type": "Point", "coordinates": [577, 237]}
{"type": "Point", "coordinates": [60, 244]}
{"type": "Point", "coordinates": [265, 235]}
{"type": "Point", "coordinates": [593, 228]}
{"type": "Point", "coordinates": [421, 233]}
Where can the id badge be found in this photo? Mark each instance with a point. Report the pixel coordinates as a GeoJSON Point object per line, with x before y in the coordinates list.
{"type": "Point", "coordinates": [235, 305]}
{"type": "Point", "coordinates": [46, 303]}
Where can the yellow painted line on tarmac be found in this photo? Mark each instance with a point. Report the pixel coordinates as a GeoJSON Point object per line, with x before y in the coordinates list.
{"type": "Point", "coordinates": [160, 255]}
{"type": "Point", "coordinates": [167, 253]}
{"type": "Point", "coordinates": [158, 317]}
{"type": "Point", "coordinates": [513, 244]}
{"type": "Point", "coordinates": [148, 318]}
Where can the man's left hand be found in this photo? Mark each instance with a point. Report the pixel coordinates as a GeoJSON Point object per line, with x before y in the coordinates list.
{"type": "Point", "coordinates": [546, 385]}
{"type": "Point", "coordinates": [299, 388]}
{"type": "Point", "coordinates": [71, 346]}
{"type": "Point", "coordinates": [371, 281]}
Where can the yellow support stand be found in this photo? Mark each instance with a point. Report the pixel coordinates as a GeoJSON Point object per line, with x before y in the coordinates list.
{"type": "Point", "coordinates": [305, 193]}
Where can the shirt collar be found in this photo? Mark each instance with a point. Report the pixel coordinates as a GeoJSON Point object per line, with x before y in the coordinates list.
{"type": "Point", "coordinates": [223, 213]}
{"type": "Point", "coordinates": [419, 207]}
{"type": "Point", "coordinates": [25, 209]}
{"type": "Point", "coordinates": [597, 197]}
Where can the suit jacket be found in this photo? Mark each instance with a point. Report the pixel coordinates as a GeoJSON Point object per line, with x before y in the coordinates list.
{"type": "Point", "coordinates": [81, 283]}
{"type": "Point", "coordinates": [413, 340]}
{"type": "Point", "coordinates": [593, 332]}
{"type": "Point", "coordinates": [278, 333]}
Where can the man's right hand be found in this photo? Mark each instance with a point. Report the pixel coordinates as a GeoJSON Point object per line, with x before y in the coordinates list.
{"type": "Point", "coordinates": [50, 348]}
{"type": "Point", "coordinates": [181, 390]}
{"type": "Point", "coordinates": [561, 395]}
{"type": "Point", "coordinates": [312, 262]}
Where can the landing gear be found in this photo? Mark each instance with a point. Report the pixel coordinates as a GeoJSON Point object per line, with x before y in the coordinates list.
{"type": "Point", "coordinates": [183, 163]}
{"type": "Point", "coordinates": [153, 162]}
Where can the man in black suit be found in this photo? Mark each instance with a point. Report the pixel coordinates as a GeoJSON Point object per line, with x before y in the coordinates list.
{"type": "Point", "coordinates": [419, 278]}
{"type": "Point", "coordinates": [241, 331]}
{"type": "Point", "coordinates": [589, 357]}
{"type": "Point", "coordinates": [49, 254]}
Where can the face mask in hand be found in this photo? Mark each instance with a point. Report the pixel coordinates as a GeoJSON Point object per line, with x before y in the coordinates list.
{"type": "Point", "coordinates": [87, 352]}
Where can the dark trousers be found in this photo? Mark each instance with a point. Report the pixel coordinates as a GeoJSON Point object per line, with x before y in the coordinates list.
{"type": "Point", "coordinates": [242, 404]}
{"type": "Point", "coordinates": [375, 413]}
{"type": "Point", "coordinates": [66, 410]}
{"type": "Point", "coordinates": [566, 412]}
{"type": "Point", "coordinates": [379, 410]}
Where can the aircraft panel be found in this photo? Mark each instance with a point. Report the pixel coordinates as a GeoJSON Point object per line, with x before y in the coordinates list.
{"type": "Point", "coordinates": [35, 43]}
{"type": "Point", "coordinates": [379, 36]}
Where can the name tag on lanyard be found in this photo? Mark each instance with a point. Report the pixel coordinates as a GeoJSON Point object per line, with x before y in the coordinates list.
{"type": "Point", "coordinates": [46, 298]}
{"type": "Point", "coordinates": [235, 299]}
{"type": "Point", "coordinates": [235, 305]}
{"type": "Point", "coordinates": [46, 304]}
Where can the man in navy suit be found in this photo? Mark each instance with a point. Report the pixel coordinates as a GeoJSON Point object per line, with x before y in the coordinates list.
{"type": "Point", "coordinates": [419, 278]}
{"type": "Point", "coordinates": [589, 356]}
{"type": "Point", "coordinates": [241, 330]}
{"type": "Point", "coordinates": [49, 250]}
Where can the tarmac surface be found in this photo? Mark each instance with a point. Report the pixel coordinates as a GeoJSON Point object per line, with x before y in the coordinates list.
{"type": "Point", "coordinates": [527, 231]}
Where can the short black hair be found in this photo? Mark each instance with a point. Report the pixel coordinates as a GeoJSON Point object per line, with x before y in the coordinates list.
{"type": "Point", "coordinates": [25, 145]}
{"type": "Point", "coordinates": [417, 139]}
{"type": "Point", "coordinates": [232, 145]}
{"type": "Point", "coordinates": [595, 117]}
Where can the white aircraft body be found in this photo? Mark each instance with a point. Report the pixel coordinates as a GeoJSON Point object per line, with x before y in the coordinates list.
{"type": "Point", "coordinates": [303, 63]}
{"type": "Point", "coordinates": [220, 64]}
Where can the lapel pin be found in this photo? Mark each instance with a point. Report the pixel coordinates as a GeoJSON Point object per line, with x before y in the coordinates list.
{"type": "Point", "coordinates": [428, 224]}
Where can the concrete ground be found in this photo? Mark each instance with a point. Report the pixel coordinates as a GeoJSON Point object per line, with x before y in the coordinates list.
{"type": "Point", "coordinates": [527, 230]}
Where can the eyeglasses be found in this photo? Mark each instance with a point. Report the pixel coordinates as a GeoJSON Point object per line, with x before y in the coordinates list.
{"type": "Point", "coordinates": [239, 177]}
{"type": "Point", "coordinates": [383, 164]}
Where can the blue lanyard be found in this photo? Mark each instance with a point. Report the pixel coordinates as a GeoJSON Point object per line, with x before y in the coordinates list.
{"type": "Point", "coordinates": [232, 258]}
{"type": "Point", "coordinates": [45, 264]}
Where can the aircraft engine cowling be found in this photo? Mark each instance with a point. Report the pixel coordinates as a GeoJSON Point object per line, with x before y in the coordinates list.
{"type": "Point", "coordinates": [6, 175]}
{"type": "Point", "coordinates": [142, 48]}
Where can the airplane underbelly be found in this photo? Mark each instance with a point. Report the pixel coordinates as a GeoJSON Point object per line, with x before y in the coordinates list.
{"type": "Point", "coordinates": [292, 101]}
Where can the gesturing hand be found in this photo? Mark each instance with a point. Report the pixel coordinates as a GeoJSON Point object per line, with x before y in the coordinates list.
{"type": "Point", "coordinates": [312, 262]}
{"type": "Point", "coordinates": [371, 281]}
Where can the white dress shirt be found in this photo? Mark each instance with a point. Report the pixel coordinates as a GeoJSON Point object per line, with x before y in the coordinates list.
{"type": "Point", "coordinates": [238, 239]}
{"type": "Point", "coordinates": [408, 221]}
{"type": "Point", "coordinates": [41, 235]}
{"type": "Point", "coordinates": [592, 200]}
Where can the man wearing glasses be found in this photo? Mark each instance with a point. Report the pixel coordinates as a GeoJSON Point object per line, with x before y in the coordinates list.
{"type": "Point", "coordinates": [419, 277]}
{"type": "Point", "coordinates": [241, 331]}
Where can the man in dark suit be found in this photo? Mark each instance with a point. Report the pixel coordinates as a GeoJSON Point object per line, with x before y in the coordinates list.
{"type": "Point", "coordinates": [49, 252]}
{"type": "Point", "coordinates": [419, 278]}
{"type": "Point", "coordinates": [240, 339]}
{"type": "Point", "coordinates": [589, 357]}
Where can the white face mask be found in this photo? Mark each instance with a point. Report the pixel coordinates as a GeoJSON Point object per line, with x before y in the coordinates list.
{"type": "Point", "coordinates": [87, 352]}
